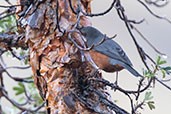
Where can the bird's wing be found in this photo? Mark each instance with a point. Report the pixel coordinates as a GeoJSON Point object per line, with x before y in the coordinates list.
{"type": "Point", "coordinates": [126, 66]}
{"type": "Point", "coordinates": [114, 51]}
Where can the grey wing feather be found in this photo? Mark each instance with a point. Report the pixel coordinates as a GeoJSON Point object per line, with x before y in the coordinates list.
{"type": "Point", "coordinates": [113, 50]}
{"type": "Point", "coordinates": [126, 66]}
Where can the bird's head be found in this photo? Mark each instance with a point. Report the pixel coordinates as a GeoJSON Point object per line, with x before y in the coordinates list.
{"type": "Point", "coordinates": [91, 35]}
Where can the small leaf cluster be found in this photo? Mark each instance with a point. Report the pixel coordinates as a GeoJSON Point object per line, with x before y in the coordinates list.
{"type": "Point", "coordinates": [151, 74]}
{"type": "Point", "coordinates": [19, 89]}
{"type": "Point", "coordinates": [158, 68]}
{"type": "Point", "coordinates": [7, 23]}
{"type": "Point", "coordinates": [164, 70]}
{"type": "Point", "coordinates": [31, 91]}
{"type": "Point", "coordinates": [148, 99]}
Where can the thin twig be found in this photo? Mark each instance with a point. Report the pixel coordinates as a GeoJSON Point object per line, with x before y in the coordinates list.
{"type": "Point", "coordinates": [156, 3]}
{"type": "Point", "coordinates": [163, 83]}
{"type": "Point", "coordinates": [57, 18]}
{"type": "Point", "coordinates": [18, 105]}
{"type": "Point", "coordinates": [26, 94]}
{"type": "Point", "coordinates": [7, 15]}
{"type": "Point", "coordinates": [157, 16]}
{"type": "Point", "coordinates": [100, 14]}
{"type": "Point", "coordinates": [8, 2]}
{"type": "Point", "coordinates": [17, 67]}
{"type": "Point", "coordinates": [140, 50]}
{"type": "Point", "coordinates": [116, 87]}
{"type": "Point", "coordinates": [3, 6]}
{"type": "Point", "coordinates": [142, 36]}
{"type": "Point", "coordinates": [19, 79]}
{"type": "Point", "coordinates": [70, 4]}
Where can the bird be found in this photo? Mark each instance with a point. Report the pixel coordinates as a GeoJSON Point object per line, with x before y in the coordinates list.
{"type": "Point", "coordinates": [108, 56]}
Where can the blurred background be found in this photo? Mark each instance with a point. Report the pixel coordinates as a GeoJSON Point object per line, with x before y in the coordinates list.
{"type": "Point", "coordinates": [157, 31]}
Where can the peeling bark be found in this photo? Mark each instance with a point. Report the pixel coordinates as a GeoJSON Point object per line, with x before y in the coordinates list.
{"type": "Point", "coordinates": [60, 73]}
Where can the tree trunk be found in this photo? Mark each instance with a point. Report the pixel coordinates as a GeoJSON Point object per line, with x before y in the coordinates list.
{"type": "Point", "coordinates": [63, 73]}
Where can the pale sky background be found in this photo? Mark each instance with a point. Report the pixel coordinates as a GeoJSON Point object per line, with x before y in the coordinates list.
{"type": "Point", "coordinates": [158, 33]}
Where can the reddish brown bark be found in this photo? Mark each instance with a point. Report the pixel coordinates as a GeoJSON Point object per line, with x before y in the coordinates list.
{"type": "Point", "coordinates": [56, 62]}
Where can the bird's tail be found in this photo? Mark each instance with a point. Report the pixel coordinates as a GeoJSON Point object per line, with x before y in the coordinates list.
{"type": "Point", "coordinates": [132, 70]}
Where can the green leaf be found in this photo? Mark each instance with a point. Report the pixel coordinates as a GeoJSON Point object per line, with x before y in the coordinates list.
{"type": "Point", "coordinates": [152, 75]}
{"type": "Point", "coordinates": [7, 23]}
{"type": "Point", "coordinates": [164, 73]}
{"type": "Point", "coordinates": [19, 92]}
{"type": "Point", "coordinates": [20, 89]}
{"type": "Point", "coordinates": [26, 61]}
{"type": "Point", "coordinates": [115, 101]}
{"type": "Point", "coordinates": [167, 69]}
{"type": "Point", "coordinates": [146, 72]}
{"type": "Point", "coordinates": [17, 88]}
{"type": "Point", "coordinates": [149, 74]}
{"type": "Point", "coordinates": [162, 62]}
{"type": "Point", "coordinates": [148, 96]}
{"type": "Point", "coordinates": [22, 53]}
{"type": "Point", "coordinates": [158, 60]}
{"type": "Point", "coordinates": [151, 105]}
{"type": "Point", "coordinates": [21, 85]}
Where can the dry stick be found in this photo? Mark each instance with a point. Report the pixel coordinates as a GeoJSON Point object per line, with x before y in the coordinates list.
{"type": "Point", "coordinates": [167, 80]}
{"type": "Point", "coordinates": [150, 59]}
{"type": "Point", "coordinates": [18, 105]}
{"type": "Point", "coordinates": [3, 6]}
{"type": "Point", "coordinates": [9, 10]}
{"type": "Point", "coordinates": [8, 2]}
{"type": "Point", "coordinates": [132, 104]}
{"type": "Point", "coordinates": [70, 4]}
{"type": "Point", "coordinates": [5, 94]}
{"type": "Point", "coordinates": [140, 50]}
{"type": "Point", "coordinates": [16, 56]}
{"type": "Point", "coordinates": [6, 15]}
{"type": "Point", "coordinates": [25, 13]}
{"type": "Point", "coordinates": [154, 62]}
{"type": "Point", "coordinates": [139, 88]}
{"type": "Point", "coordinates": [142, 36]}
{"type": "Point", "coordinates": [81, 48]}
{"type": "Point", "coordinates": [139, 106]}
{"type": "Point", "coordinates": [19, 79]}
{"type": "Point", "coordinates": [163, 83]}
{"type": "Point", "coordinates": [12, 40]}
{"type": "Point", "coordinates": [38, 4]}
{"type": "Point", "coordinates": [116, 87]}
{"type": "Point", "coordinates": [26, 94]}
{"type": "Point", "coordinates": [57, 18]}
{"type": "Point", "coordinates": [17, 67]}
{"type": "Point", "coordinates": [92, 15]}
{"type": "Point", "coordinates": [100, 14]}
{"type": "Point", "coordinates": [78, 14]}
{"type": "Point", "coordinates": [87, 104]}
{"type": "Point", "coordinates": [159, 17]}
{"type": "Point", "coordinates": [131, 21]}
{"type": "Point", "coordinates": [84, 48]}
{"type": "Point", "coordinates": [138, 47]}
{"type": "Point", "coordinates": [155, 3]}
{"type": "Point", "coordinates": [107, 102]}
{"type": "Point", "coordinates": [74, 42]}
{"type": "Point", "coordinates": [126, 92]}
